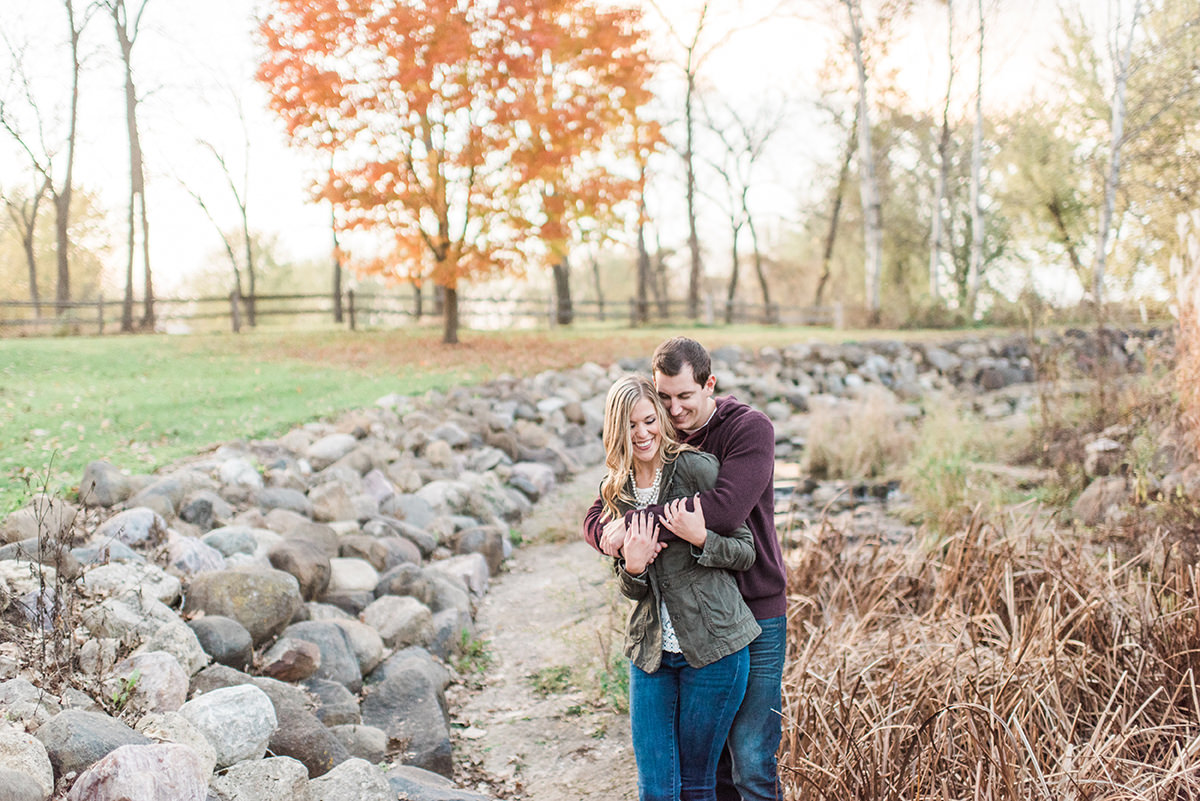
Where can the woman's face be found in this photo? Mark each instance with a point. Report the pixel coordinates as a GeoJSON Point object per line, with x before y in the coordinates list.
{"type": "Point", "coordinates": [644, 431]}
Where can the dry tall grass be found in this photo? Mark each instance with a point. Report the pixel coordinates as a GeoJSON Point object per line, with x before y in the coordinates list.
{"type": "Point", "coordinates": [1009, 664]}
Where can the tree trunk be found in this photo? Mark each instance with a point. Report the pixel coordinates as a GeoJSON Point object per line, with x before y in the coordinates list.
{"type": "Point", "coordinates": [836, 213]}
{"type": "Point", "coordinates": [658, 280]}
{"type": "Point", "coordinates": [760, 270]}
{"type": "Point", "coordinates": [641, 310]}
{"type": "Point", "coordinates": [937, 218]}
{"type": "Point", "coordinates": [126, 36]}
{"type": "Point", "coordinates": [975, 270]}
{"type": "Point", "coordinates": [564, 311]}
{"type": "Point", "coordinates": [596, 284]}
{"type": "Point", "coordinates": [450, 316]}
{"type": "Point", "coordinates": [62, 198]}
{"type": "Point", "coordinates": [868, 184]}
{"type": "Point", "coordinates": [731, 291]}
{"type": "Point", "coordinates": [338, 315]}
{"type": "Point", "coordinates": [1121, 69]}
{"type": "Point", "coordinates": [689, 157]}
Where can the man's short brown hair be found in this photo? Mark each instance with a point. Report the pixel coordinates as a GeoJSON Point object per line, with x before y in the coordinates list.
{"type": "Point", "coordinates": [670, 357]}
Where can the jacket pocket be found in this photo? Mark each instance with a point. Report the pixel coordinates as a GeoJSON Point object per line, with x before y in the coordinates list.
{"type": "Point", "coordinates": [720, 604]}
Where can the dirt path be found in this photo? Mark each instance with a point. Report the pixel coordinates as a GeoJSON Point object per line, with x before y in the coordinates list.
{"type": "Point", "coordinates": [534, 723]}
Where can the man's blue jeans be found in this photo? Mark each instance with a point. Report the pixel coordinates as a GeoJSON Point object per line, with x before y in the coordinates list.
{"type": "Point", "coordinates": [749, 770]}
{"type": "Point", "coordinates": [680, 716]}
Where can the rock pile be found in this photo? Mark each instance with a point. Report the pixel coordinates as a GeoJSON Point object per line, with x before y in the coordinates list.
{"type": "Point", "coordinates": [279, 618]}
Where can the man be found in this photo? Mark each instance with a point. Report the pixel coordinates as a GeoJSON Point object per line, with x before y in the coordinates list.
{"type": "Point", "coordinates": [743, 439]}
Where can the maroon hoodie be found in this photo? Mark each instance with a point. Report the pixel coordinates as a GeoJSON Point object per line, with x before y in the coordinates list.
{"type": "Point", "coordinates": [743, 440]}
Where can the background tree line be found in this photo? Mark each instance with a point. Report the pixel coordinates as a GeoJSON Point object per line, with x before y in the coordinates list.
{"type": "Point", "coordinates": [594, 146]}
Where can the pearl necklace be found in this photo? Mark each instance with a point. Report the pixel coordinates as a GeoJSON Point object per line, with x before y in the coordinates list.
{"type": "Point", "coordinates": [647, 496]}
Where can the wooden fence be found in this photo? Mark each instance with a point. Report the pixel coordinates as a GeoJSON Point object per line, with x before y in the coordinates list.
{"type": "Point", "coordinates": [378, 310]}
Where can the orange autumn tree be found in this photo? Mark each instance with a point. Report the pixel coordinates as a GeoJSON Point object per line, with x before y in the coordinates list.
{"type": "Point", "coordinates": [585, 92]}
{"type": "Point", "coordinates": [435, 112]}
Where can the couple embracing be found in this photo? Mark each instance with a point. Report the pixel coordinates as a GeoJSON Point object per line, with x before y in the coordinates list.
{"type": "Point", "coordinates": [687, 511]}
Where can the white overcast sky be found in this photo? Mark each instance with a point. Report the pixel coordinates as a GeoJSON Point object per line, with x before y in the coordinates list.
{"type": "Point", "coordinates": [193, 58]}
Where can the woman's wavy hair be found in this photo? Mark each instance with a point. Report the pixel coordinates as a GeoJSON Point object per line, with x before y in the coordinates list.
{"type": "Point", "coordinates": [618, 440]}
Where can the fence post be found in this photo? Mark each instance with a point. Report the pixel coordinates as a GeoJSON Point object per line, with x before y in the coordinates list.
{"type": "Point", "coordinates": [235, 313]}
{"type": "Point", "coordinates": [839, 321]}
{"type": "Point", "coordinates": [100, 314]}
{"type": "Point", "coordinates": [350, 309]}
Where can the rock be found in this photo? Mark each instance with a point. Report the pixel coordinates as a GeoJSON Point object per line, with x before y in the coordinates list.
{"type": "Point", "coordinates": [332, 501]}
{"type": "Point", "coordinates": [489, 541]}
{"type": "Point", "coordinates": [189, 556]}
{"type": "Point", "coordinates": [139, 526]}
{"type": "Point", "coordinates": [1099, 499]}
{"type": "Point", "coordinates": [241, 473]}
{"type": "Point", "coordinates": [424, 540]}
{"type": "Point", "coordinates": [145, 580]}
{"type": "Point", "coordinates": [172, 727]}
{"type": "Point", "coordinates": [238, 721]}
{"type": "Point", "coordinates": [401, 621]}
{"type": "Point", "coordinates": [1102, 456]}
{"type": "Point", "coordinates": [103, 485]}
{"type": "Point", "coordinates": [532, 478]}
{"type": "Point", "coordinates": [272, 498]}
{"type": "Point", "coordinates": [305, 560]}
{"type": "Point", "coordinates": [152, 681]}
{"type": "Point", "coordinates": [15, 786]}
{"type": "Point", "coordinates": [352, 575]}
{"type": "Point", "coordinates": [335, 704]}
{"type": "Point", "coordinates": [230, 540]}
{"type": "Point", "coordinates": [174, 637]}
{"type": "Point", "coordinates": [156, 772]}
{"type": "Point", "coordinates": [104, 551]}
{"type": "Point", "coordinates": [406, 706]}
{"type": "Point", "coordinates": [412, 509]}
{"type": "Point", "coordinates": [469, 569]}
{"type": "Point", "coordinates": [270, 779]}
{"type": "Point", "coordinates": [75, 739]}
{"type": "Point", "coordinates": [291, 659]}
{"type": "Point", "coordinates": [364, 742]}
{"type": "Point", "coordinates": [382, 553]}
{"type": "Point", "coordinates": [262, 600]}
{"type": "Point", "coordinates": [25, 755]}
{"type": "Point", "coordinates": [224, 639]}
{"type": "Point", "coordinates": [329, 449]}
{"type": "Point", "coordinates": [416, 784]}
{"type": "Point", "coordinates": [352, 780]}
{"type": "Point", "coordinates": [338, 660]}
{"type": "Point", "coordinates": [364, 641]}
{"type": "Point", "coordinates": [301, 735]}
{"type": "Point", "coordinates": [163, 495]}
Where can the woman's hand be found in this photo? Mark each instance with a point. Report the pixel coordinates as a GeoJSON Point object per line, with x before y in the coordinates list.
{"type": "Point", "coordinates": [688, 526]}
{"type": "Point", "coordinates": [641, 543]}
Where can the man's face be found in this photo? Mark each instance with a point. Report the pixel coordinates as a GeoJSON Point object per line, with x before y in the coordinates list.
{"type": "Point", "coordinates": [688, 403]}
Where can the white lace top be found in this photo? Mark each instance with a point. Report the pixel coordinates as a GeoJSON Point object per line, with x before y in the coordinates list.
{"type": "Point", "coordinates": [647, 497]}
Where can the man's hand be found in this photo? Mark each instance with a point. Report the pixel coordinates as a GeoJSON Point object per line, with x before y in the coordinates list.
{"type": "Point", "coordinates": [688, 526]}
{"type": "Point", "coordinates": [613, 537]}
{"type": "Point", "coordinates": [641, 544]}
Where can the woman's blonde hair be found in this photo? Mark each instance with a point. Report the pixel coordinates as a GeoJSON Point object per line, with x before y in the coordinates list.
{"type": "Point", "coordinates": [618, 439]}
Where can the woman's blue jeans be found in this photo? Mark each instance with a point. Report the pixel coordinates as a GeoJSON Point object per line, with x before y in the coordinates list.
{"type": "Point", "coordinates": [680, 716]}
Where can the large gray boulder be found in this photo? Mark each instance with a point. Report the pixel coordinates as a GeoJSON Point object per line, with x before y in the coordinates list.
{"type": "Point", "coordinates": [262, 600]}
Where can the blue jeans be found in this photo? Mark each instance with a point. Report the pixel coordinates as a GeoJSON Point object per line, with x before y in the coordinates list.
{"type": "Point", "coordinates": [749, 770]}
{"type": "Point", "coordinates": [680, 716]}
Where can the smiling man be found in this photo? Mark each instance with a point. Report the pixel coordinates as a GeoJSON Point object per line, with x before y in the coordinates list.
{"type": "Point", "coordinates": [743, 440]}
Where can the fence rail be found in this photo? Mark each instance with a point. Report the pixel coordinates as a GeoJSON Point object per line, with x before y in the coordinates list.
{"type": "Point", "coordinates": [378, 310]}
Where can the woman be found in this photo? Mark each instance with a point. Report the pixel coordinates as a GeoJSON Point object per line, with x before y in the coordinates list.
{"type": "Point", "coordinates": [688, 631]}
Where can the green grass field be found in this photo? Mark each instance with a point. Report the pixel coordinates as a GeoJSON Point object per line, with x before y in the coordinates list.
{"type": "Point", "coordinates": [144, 401]}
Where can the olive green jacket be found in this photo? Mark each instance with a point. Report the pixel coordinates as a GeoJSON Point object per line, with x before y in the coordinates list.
{"type": "Point", "coordinates": [710, 618]}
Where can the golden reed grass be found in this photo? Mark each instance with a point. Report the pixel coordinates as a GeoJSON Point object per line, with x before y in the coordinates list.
{"type": "Point", "coordinates": [1020, 664]}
